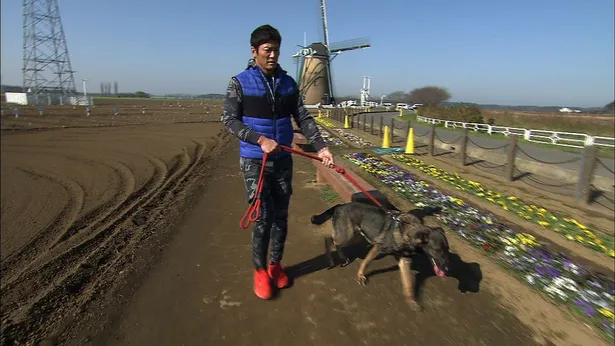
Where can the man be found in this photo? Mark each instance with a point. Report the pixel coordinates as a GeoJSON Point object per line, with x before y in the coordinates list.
{"type": "Point", "coordinates": [258, 107]}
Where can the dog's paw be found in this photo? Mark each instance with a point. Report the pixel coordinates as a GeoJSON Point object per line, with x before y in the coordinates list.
{"type": "Point", "coordinates": [345, 262]}
{"type": "Point", "coordinates": [414, 305]}
{"type": "Point", "coordinates": [362, 280]}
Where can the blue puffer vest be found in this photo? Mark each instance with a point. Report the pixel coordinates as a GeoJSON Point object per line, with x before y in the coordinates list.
{"type": "Point", "coordinates": [265, 113]}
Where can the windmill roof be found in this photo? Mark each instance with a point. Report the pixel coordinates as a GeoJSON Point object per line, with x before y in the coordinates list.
{"type": "Point", "coordinates": [319, 48]}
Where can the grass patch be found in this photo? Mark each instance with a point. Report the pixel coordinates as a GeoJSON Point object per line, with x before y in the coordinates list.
{"type": "Point", "coordinates": [328, 195]}
{"type": "Point", "coordinates": [592, 124]}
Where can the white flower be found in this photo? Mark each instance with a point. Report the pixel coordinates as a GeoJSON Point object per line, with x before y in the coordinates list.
{"type": "Point", "coordinates": [566, 283]}
{"type": "Point", "coordinates": [530, 279]}
{"type": "Point", "coordinates": [601, 303]}
{"type": "Point", "coordinates": [552, 290]}
{"type": "Point", "coordinates": [574, 268]}
{"type": "Point", "coordinates": [592, 293]}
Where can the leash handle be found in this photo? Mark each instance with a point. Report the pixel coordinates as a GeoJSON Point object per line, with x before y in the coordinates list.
{"type": "Point", "coordinates": [253, 212]}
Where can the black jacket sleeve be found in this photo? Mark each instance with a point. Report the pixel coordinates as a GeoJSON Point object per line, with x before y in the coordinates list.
{"type": "Point", "coordinates": [231, 115]}
{"type": "Point", "coordinates": [307, 124]}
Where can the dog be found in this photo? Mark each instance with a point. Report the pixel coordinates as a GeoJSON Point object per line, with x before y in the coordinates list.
{"type": "Point", "coordinates": [400, 234]}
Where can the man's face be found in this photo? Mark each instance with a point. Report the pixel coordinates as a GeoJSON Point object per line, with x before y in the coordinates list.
{"type": "Point", "coordinates": [267, 56]}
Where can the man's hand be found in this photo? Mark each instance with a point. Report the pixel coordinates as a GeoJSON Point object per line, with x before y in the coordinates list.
{"type": "Point", "coordinates": [326, 156]}
{"type": "Point", "coordinates": [269, 146]}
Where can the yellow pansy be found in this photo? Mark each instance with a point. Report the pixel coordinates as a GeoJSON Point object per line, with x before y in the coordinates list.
{"type": "Point", "coordinates": [607, 313]}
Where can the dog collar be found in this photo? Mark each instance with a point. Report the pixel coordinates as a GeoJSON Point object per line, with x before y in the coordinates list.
{"type": "Point", "coordinates": [397, 219]}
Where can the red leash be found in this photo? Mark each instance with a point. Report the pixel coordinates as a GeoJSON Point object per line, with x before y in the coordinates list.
{"type": "Point", "coordinates": [253, 212]}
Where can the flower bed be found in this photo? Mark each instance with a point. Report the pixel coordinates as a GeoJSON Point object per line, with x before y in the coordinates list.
{"type": "Point", "coordinates": [554, 274]}
{"type": "Point", "coordinates": [569, 228]}
{"type": "Point", "coordinates": [330, 140]}
{"type": "Point", "coordinates": [356, 140]}
{"type": "Point", "coordinates": [324, 122]}
{"type": "Point", "coordinates": [353, 138]}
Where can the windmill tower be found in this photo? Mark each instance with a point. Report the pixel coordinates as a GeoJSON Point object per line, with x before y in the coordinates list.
{"type": "Point", "coordinates": [46, 65]}
{"type": "Point", "coordinates": [314, 64]}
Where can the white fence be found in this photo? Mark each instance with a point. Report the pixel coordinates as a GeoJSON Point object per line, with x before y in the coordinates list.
{"type": "Point", "coordinates": [48, 99]}
{"type": "Point", "coordinates": [565, 139]}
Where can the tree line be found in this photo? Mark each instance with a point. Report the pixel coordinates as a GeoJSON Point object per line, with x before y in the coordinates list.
{"type": "Point", "coordinates": [435, 104]}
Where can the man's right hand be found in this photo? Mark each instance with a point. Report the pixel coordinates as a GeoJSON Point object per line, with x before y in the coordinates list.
{"type": "Point", "coordinates": [269, 146]}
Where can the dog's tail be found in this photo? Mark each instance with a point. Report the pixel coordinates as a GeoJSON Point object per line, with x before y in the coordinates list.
{"type": "Point", "coordinates": [326, 215]}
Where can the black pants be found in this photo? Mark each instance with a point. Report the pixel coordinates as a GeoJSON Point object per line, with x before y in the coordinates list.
{"type": "Point", "coordinates": [275, 199]}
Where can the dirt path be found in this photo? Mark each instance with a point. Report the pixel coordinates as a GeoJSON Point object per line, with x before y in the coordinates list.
{"type": "Point", "coordinates": [77, 206]}
{"type": "Point", "coordinates": [200, 292]}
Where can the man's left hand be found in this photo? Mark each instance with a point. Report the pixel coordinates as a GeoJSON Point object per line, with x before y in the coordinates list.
{"type": "Point", "coordinates": [326, 156]}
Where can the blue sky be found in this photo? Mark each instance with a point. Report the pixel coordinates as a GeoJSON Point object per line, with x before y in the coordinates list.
{"type": "Point", "coordinates": [540, 52]}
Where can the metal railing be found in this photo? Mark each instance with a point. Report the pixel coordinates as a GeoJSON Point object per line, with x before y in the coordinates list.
{"type": "Point", "coordinates": [560, 138]}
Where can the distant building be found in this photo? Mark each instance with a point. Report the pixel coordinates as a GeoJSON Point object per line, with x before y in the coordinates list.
{"type": "Point", "coordinates": [568, 110]}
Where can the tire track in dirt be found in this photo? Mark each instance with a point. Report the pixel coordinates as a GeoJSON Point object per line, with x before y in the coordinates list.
{"type": "Point", "coordinates": [99, 281]}
{"type": "Point", "coordinates": [23, 125]}
{"type": "Point", "coordinates": [67, 223]}
{"type": "Point", "coordinates": [91, 256]}
{"type": "Point", "coordinates": [155, 210]}
{"type": "Point", "coordinates": [43, 205]}
{"type": "Point", "coordinates": [91, 219]}
{"type": "Point", "coordinates": [73, 252]}
{"type": "Point", "coordinates": [29, 251]}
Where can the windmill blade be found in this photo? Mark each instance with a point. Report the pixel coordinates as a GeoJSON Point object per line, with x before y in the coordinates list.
{"type": "Point", "coordinates": [352, 44]}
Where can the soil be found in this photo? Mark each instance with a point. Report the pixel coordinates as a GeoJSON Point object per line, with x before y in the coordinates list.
{"type": "Point", "coordinates": [201, 291]}
{"type": "Point", "coordinates": [76, 203]}
{"type": "Point", "coordinates": [130, 235]}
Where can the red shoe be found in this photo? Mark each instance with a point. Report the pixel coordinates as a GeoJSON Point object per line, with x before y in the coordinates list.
{"type": "Point", "coordinates": [262, 285]}
{"type": "Point", "coordinates": [277, 274]}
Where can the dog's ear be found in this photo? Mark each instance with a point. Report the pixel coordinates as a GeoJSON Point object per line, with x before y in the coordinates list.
{"type": "Point", "coordinates": [409, 218]}
{"type": "Point", "coordinates": [440, 236]}
{"type": "Point", "coordinates": [421, 237]}
{"type": "Point", "coordinates": [438, 229]}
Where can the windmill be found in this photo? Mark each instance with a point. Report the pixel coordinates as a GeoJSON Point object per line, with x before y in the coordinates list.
{"type": "Point", "coordinates": [314, 64]}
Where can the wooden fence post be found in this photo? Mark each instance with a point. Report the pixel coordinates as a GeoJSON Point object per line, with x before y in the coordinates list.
{"type": "Point", "coordinates": [510, 157]}
{"type": "Point", "coordinates": [364, 121]}
{"type": "Point", "coordinates": [432, 139]}
{"type": "Point", "coordinates": [586, 174]}
{"type": "Point", "coordinates": [371, 126]}
{"type": "Point", "coordinates": [464, 146]}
